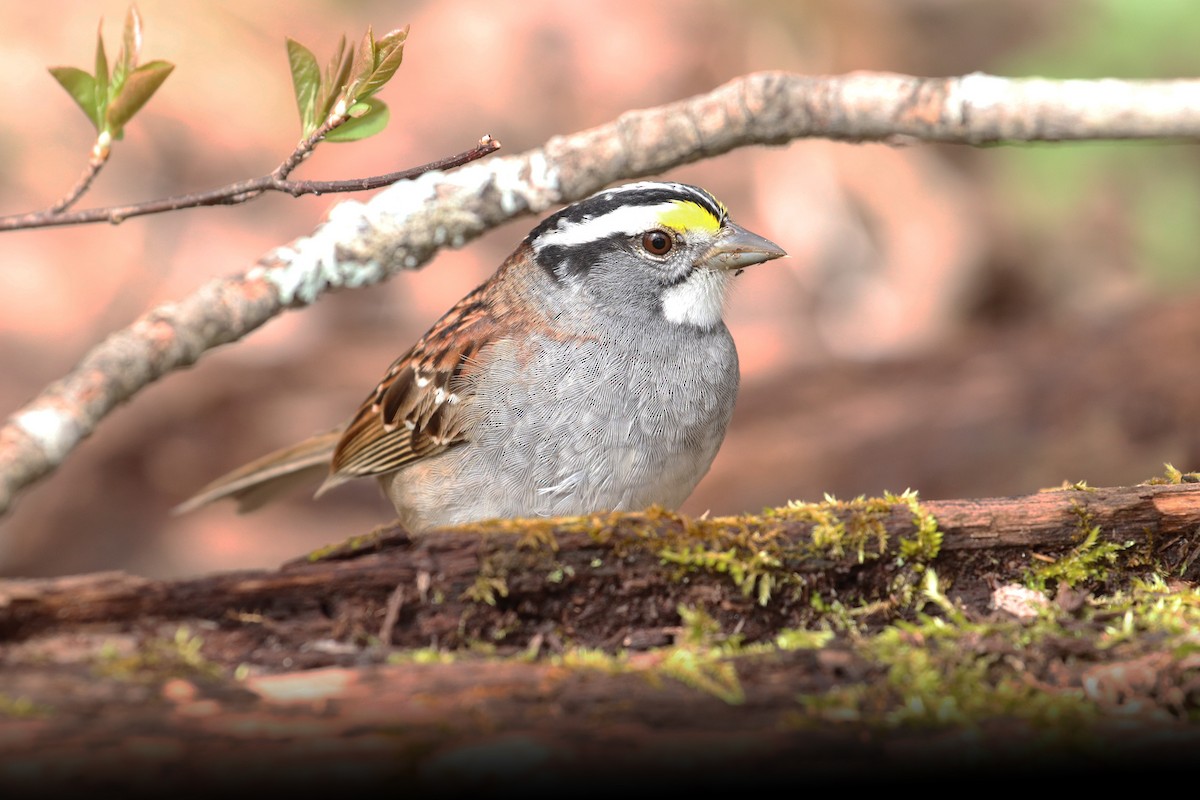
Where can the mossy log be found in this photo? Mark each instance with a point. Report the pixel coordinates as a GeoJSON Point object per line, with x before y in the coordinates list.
{"type": "Point", "coordinates": [810, 640]}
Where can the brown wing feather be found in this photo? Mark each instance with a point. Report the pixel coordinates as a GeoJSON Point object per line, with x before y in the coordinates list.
{"type": "Point", "coordinates": [263, 479]}
{"type": "Point", "coordinates": [415, 411]}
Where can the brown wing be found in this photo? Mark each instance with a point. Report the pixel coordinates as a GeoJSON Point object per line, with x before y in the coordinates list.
{"type": "Point", "coordinates": [415, 411]}
{"type": "Point", "coordinates": [260, 481]}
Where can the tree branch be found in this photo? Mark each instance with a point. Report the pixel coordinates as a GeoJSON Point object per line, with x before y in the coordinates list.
{"type": "Point", "coordinates": [95, 164]}
{"type": "Point", "coordinates": [234, 193]}
{"type": "Point", "coordinates": [403, 227]}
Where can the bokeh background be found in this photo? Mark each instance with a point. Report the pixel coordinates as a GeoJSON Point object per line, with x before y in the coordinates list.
{"type": "Point", "coordinates": [964, 322]}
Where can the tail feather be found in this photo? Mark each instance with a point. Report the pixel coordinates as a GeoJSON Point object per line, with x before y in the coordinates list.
{"type": "Point", "coordinates": [264, 479]}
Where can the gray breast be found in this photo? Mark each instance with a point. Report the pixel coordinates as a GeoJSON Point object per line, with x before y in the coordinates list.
{"type": "Point", "coordinates": [566, 427]}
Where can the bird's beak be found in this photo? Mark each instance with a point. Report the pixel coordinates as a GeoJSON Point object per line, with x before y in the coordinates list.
{"type": "Point", "coordinates": [738, 248]}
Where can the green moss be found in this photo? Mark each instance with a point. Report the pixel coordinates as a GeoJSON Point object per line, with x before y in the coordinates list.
{"type": "Point", "coordinates": [21, 707]}
{"type": "Point", "coordinates": [918, 658]}
{"type": "Point", "coordinates": [533, 553]}
{"type": "Point", "coordinates": [485, 589]}
{"type": "Point", "coordinates": [1152, 608]}
{"type": "Point", "coordinates": [947, 669]}
{"type": "Point", "coordinates": [1089, 561]}
{"type": "Point", "coordinates": [353, 545]}
{"type": "Point", "coordinates": [703, 658]}
{"type": "Point", "coordinates": [841, 617]}
{"type": "Point", "coordinates": [797, 639]}
{"type": "Point", "coordinates": [758, 553]}
{"type": "Point", "coordinates": [560, 573]}
{"type": "Point", "coordinates": [943, 667]}
{"type": "Point", "coordinates": [159, 659]}
{"type": "Point", "coordinates": [705, 671]}
{"type": "Point", "coordinates": [538, 537]}
{"type": "Point", "coordinates": [840, 528]}
{"type": "Point", "coordinates": [1172, 475]}
{"type": "Point", "coordinates": [1067, 486]}
{"type": "Point", "coordinates": [934, 673]}
{"type": "Point", "coordinates": [435, 655]}
{"type": "Point", "coordinates": [762, 561]}
{"type": "Point", "coordinates": [591, 658]}
{"type": "Point", "coordinates": [754, 573]}
{"type": "Point", "coordinates": [699, 628]}
{"type": "Point", "coordinates": [700, 659]}
{"type": "Point", "coordinates": [947, 680]}
{"type": "Point", "coordinates": [926, 543]}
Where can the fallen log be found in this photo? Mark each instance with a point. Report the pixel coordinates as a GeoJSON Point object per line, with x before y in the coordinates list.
{"type": "Point", "coordinates": [815, 639]}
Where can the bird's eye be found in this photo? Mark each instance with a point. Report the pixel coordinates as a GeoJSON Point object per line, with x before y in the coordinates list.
{"type": "Point", "coordinates": [657, 243]}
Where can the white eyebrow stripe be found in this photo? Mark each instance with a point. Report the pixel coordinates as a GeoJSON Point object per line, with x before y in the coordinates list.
{"type": "Point", "coordinates": [700, 197]}
{"type": "Point", "coordinates": [627, 220]}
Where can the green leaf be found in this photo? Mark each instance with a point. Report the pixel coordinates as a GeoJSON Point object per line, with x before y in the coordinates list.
{"type": "Point", "coordinates": [336, 74]}
{"type": "Point", "coordinates": [81, 87]}
{"type": "Point", "coordinates": [139, 86]}
{"type": "Point", "coordinates": [132, 42]}
{"type": "Point", "coordinates": [375, 63]}
{"type": "Point", "coordinates": [349, 78]}
{"type": "Point", "coordinates": [101, 78]}
{"type": "Point", "coordinates": [126, 60]}
{"type": "Point", "coordinates": [389, 53]}
{"type": "Point", "coordinates": [306, 81]}
{"type": "Point", "coordinates": [338, 71]}
{"type": "Point", "coordinates": [364, 65]}
{"type": "Point", "coordinates": [373, 119]}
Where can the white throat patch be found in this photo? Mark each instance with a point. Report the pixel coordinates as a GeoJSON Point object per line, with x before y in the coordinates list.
{"type": "Point", "coordinates": [699, 300]}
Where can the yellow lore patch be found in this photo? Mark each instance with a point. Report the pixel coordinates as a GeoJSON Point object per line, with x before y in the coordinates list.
{"type": "Point", "coordinates": [684, 215]}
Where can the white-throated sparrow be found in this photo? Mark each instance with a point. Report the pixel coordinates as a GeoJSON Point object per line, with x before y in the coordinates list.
{"type": "Point", "coordinates": [591, 372]}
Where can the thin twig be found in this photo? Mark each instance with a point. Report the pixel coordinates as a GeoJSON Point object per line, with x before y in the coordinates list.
{"type": "Point", "coordinates": [305, 148]}
{"type": "Point", "coordinates": [296, 188]}
{"type": "Point", "coordinates": [94, 165]}
{"type": "Point", "coordinates": [392, 615]}
{"type": "Point", "coordinates": [242, 191]}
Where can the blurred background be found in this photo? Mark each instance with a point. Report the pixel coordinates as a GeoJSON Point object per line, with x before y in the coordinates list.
{"type": "Point", "coordinates": [967, 322]}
